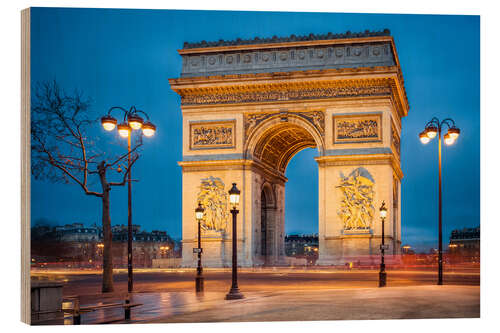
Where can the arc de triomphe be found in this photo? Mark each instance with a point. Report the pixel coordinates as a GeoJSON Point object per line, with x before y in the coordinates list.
{"type": "Point", "coordinates": [249, 106]}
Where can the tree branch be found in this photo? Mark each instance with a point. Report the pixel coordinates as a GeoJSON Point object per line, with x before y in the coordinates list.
{"type": "Point", "coordinates": [136, 157]}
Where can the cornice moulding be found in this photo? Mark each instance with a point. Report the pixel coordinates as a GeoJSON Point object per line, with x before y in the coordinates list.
{"type": "Point", "coordinates": [324, 42]}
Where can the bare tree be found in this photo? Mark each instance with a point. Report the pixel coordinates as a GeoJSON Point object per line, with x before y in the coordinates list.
{"type": "Point", "coordinates": [62, 150]}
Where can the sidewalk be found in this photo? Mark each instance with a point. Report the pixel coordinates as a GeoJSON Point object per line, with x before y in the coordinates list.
{"type": "Point", "coordinates": [341, 304]}
{"type": "Point", "coordinates": [333, 304]}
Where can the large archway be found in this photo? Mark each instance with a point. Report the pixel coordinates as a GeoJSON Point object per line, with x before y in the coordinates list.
{"type": "Point", "coordinates": [272, 144]}
{"type": "Point", "coordinates": [248, 108]}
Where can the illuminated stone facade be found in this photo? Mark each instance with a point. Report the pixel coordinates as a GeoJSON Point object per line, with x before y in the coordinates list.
{"type": "Point", "coordinates": [249, 106]}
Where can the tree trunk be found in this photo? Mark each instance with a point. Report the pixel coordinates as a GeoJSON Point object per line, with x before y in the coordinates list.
{"type": "Point", "coordinates": [107, 257]}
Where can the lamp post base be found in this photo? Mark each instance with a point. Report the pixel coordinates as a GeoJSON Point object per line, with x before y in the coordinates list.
{"type": "Point", "coordinates": [382, 279]}
{"type": "Point", "coordinates": [199, 284]}
{"type": "Point", "coordinates": [234, 293]}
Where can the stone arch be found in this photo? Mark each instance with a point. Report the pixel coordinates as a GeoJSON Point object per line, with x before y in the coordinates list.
{"type": "Point", "coordinates": [272, 144]}
{"type": "Point", "coordinates": [268, 191]}
{"type": "Point", "coordinates": [247, 144]}
{"type": "Point", "coordinates": [269, 231]}
{"type": "Point", "coordinates": [277, 139]}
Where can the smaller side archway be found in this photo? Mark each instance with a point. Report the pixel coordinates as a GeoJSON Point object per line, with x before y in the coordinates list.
{"type": "Point", "coordinates": [269, 225]}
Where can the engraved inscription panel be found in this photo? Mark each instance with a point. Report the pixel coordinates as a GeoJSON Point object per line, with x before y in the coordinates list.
{"type": "Point", "coordinates": [352, 129]}
{"type": "Point", "coordinates": [207, 135]}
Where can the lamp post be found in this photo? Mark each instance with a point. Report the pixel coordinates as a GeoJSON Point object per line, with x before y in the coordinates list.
{"type": "Point", "coordinates": [234, 199]}
{"type": "Point", "coordinates": [382, 275]}
{"type": "Point", "coordinates": [131, 121]}
{"type": "Point", "coordinates": [432, 129]}
{"type": "Point", "coordinates": [199, 212]}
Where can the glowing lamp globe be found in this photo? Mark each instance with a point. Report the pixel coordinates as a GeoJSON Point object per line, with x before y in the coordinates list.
{"type": "Point", "coordinates": [454, 133]}
{"type": "Point", "coordinates": [431, 132]}
{"type": "Point", "coordinates": [448, 140]}
{"type": "Point", "coordinates": [123, 130]}
{"type": "Point", "coordinates": [199, 212]}
{"type": "Point", "coordinates": [424, 138]}
{"type": "Point", "coordinates": [383, 210]}
{"type": "Point", "coordinates": [135, 122]}
{"type": "Point", "coordinates": [108, 123]}
{"type": "Point", "coordinates": [148, 129]}
{"type": "Point", "coordinates": [234, 195]}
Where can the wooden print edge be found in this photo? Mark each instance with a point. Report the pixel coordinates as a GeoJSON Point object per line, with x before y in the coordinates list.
{"type": "Point", "coordinates": [25, 166]}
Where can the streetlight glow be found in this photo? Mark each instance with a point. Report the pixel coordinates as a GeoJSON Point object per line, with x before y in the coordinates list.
{"type": "Point", "coordinates": [424, 138]}
{"type": "Point", "coordinates": [431, 132]}
{"type": "Point", "coordinates": [448, 140]}
{"type": "Point", "coordinates": [135, 122]}
{"type": "Point", "coordinates": [148, 129]}
{"type": "Point", "coordinates": [108, 123]}
{"type": "Point", "coordinates": [199, 212]}
{"type": "Point", "coordinates": [454, 133]}
{"type": "Point", "coordinates": [234, 195]}
{"type": "Point", "coordinates": [123, 130]}
{"type": "Point", "coordinates": [383, 210]}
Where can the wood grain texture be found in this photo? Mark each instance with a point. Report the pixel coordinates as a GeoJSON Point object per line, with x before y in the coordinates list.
{"type": "Point", "coordinates": [25, 166]}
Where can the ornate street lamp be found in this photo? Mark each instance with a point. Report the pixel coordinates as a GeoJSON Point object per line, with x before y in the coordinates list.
{"type": "Point", "coordinates": [382, 275]}
{"type": "Point", "coordinates": [131, 121]}
{"type": "Point", "coordinates": [199, 212]}
{"type": "Point", "coordinates": [432, 129]}
{"type": "Point", "coordinates": [234, 199]}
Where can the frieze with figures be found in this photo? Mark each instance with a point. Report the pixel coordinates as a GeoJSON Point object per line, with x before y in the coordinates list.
{"type": "Point", "coordinates": [351, 129]}
{"type": "Point", "coordinates": [291, 93]}
{"type": "Point", "coordinates": [206, 135]}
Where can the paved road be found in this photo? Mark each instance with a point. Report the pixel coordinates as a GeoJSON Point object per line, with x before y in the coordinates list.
{"type": "Point", "coordinates": [219, 280]}
{"type": "Point", "coordinates": [276, 295]}
{"type": "Point", "coordinates": [335, 304]}
{"type": "Point", "coordinates": [411, 302]}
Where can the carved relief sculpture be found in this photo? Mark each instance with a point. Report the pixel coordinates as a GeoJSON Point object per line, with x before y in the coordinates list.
{"type": "Point", "coordinates": [315, 118]}
{"type": "Point", "coordinates": [349, 129]}
{"type": "Point", "coordinates": [214, 199]}
{"type": "Point", "coordinates": [275, 93]}
{"type": "Point", "coordinates": [396, 141]}
{"type": "Point", "coordinates": [356, 209]}
{"type": "Point", "coordinates": [206, 135]}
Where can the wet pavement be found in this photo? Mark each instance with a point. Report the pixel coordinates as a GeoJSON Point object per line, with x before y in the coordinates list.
{"type": "Point", "coordinates": [273, 295]}
{"type": "Point", "coordinates": [341, 304]}
{"type": "Point", "coordinates": [335, 304]}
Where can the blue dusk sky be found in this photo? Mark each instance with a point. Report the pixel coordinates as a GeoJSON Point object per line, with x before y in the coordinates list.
{"type": "Point", "coordinates": [125, 57]}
